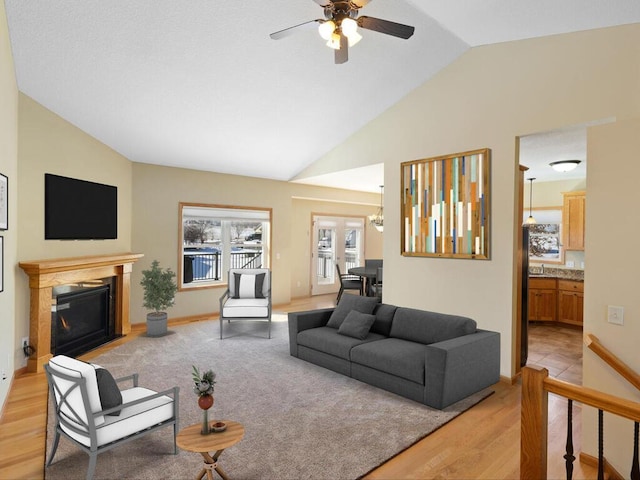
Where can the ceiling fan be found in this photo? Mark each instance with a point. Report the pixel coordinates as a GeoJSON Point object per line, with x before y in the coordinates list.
{"type": "Point", "coordinates": [340, 25]}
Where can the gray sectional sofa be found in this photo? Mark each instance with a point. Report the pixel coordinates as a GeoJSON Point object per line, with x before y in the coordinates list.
{"type": "Point", "coordinates": [432, 358]}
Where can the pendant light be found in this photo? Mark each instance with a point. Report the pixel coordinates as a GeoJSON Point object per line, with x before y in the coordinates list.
{"type": "Point", "coordinates": [530, 220]}
{"type": "Point", "coordinates": [377, 220]}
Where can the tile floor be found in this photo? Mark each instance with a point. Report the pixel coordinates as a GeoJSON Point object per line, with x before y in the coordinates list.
{"type": "Point", "coordinates": [558, 349]}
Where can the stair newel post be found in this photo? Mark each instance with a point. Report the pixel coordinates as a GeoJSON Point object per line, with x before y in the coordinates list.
{"type": "Point", "coordinates": [534, 418]}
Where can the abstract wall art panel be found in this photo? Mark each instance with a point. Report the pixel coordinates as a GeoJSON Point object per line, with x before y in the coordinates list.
{"type": "Point", "coordinates": [445, 206]}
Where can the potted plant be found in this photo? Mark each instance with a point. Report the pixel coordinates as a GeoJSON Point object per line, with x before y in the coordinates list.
{"type": "Point", "coordinates": [159, 294]}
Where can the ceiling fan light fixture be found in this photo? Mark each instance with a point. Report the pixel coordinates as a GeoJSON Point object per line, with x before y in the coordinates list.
{"type": "Point", "coordinates": [349, 26]}
{"type": "Point", "coordinates": [354, 38]}
{"type": "Point", "coordinates": [564, 165]}
{"type": "Point", "coordinates": [326, 29]}
{"type": "Point", "coordinates": [334, 41]}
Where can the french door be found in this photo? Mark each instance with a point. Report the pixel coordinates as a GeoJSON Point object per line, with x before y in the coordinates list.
{"type": "Point", "coordinates": [336, 240]}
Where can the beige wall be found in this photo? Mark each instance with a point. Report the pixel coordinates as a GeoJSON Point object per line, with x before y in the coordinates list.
{"type": "Point", "coordinates": [612, 275]}
{"type": "Point", "coordinates": [158, 191]}
{"type": "Point", "coordinates": [487, 98]}
{"type": "Point", "coordinates": [49, 144]}
{"type": "Point", "coordinates": [9, 346]}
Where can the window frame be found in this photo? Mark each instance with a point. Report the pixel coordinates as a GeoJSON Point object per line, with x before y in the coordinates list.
{"type": "Point", "coordinates": [223, 282]}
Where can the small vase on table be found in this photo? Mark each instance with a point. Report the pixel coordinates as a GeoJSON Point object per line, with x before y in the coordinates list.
{"type": "Point", "coordinates": [205, 402]}
{"type": "Point", "coordinates": [203, 387]}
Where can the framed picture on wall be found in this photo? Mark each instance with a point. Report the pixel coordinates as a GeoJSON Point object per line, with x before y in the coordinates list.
{"type": "Point", "coordinates": [4, 202]}
{"type": "Point", "coordinates": [445, 206]}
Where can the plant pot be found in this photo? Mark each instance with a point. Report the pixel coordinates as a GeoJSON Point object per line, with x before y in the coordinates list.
{"type": "Point", "coordinates": [156, 324]}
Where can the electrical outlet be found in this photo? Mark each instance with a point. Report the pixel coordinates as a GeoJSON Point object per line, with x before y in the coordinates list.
{"type": "Point", "coordinates": [615, 315]}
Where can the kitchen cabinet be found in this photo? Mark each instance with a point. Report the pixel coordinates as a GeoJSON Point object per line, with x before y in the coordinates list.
{"type": "Point", "coordinates": [570, 302]}
{"type": "Point", "coordinates": [573, 214]}
{"type": "Point", "coordinates": [542, 299]}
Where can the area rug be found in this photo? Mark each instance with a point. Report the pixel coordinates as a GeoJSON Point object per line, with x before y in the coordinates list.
{"type": "Point", "coordinates": [301, 421]}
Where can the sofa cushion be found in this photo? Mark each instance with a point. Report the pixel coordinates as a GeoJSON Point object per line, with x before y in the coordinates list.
{"type": "Point", "coordinates": [429, 327]}
{"type": "Point", "coordinates": [327, 340]}
{"type": "Point", "coordinates": [356, 324]}
{"type": "Point", "coordinates": [402, 358]}
{"type": "Point", "coordinates": [351, 302]}
{"type": "Point", "coordinates": [384, 317]}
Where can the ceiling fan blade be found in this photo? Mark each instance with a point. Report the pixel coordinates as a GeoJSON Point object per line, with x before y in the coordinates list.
{"type": "Point", "coordinates": [385, 26]}
{"type": "Point", "coordinates": [288, 31]}
{"type": "Point", "coordinates": [342, 55]}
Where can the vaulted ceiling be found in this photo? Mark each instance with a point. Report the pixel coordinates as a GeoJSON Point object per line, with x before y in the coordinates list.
{"type": "Point", "coordinates": [200, 84]}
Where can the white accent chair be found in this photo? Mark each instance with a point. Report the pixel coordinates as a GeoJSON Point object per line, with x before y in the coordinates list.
{"type": "Point", "coordinates": [248, 296]}
{"type": "Point", "coordinates": [81, 419]}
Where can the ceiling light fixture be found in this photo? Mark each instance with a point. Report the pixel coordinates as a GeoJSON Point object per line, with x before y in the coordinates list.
{"type": "Point", "coordinates": [530, 220]}
{"type": "Point", "coordinates": [325, 29]}
{"type": "Point", "coordinates": [564, 165]}
{"type": "Point", "coordinates": [377, 220]}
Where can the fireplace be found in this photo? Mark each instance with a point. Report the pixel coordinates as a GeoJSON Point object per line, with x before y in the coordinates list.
{"type": "Point", "coordinates": [44, 275]}
{"type": "Point", "coordinates": [82, 317]}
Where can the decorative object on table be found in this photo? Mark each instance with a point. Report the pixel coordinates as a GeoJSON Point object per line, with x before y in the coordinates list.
{"type": "Point", "coordinates": [203, 387]}
{"type": "Point", "coordinates": [377, 220]}
{"type": "Point", "coordinates": [445, 206]}
{"type": "Point", "coordinates": [159, 294]}
{"type": "Point", "coordinates": [4, 202]}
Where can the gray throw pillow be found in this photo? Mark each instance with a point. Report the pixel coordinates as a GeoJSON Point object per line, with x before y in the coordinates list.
{"type": "Point", "coordinates": [108, 390]}
{"type": "Point", "coordinates": [357, 325]}
{"type": "Point", "coordinates": [350, 302]}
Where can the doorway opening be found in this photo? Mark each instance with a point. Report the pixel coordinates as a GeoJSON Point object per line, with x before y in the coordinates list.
{"type": "Point", "coordinates": [549, 263]}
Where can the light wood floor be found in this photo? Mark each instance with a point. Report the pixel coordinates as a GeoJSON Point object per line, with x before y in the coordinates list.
{"type": "Point", "coordinates": [482, 443]}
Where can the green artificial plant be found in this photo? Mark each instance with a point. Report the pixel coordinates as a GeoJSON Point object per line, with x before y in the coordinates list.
{"type": "Point", "coordinates": [159, 287]}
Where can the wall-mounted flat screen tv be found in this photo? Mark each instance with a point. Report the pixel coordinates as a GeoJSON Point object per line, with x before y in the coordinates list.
{"type": "Point", "coordinates": [79, 210]}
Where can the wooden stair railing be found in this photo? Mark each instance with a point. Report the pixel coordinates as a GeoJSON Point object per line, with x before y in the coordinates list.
{"type": "Point", "coordinates": [536, 385]}
{"type": "Point", "coordinates": [612, 360]}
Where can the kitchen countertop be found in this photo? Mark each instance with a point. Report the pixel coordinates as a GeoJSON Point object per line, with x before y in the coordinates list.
{"type": "Point", "coordinates": [555, 272]}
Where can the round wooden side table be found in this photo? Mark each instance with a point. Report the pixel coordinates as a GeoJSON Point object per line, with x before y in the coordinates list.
{"type": "Point", "coordinates": [191, 440]}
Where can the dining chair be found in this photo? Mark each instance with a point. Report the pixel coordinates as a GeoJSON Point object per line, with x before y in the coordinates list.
{"type": "Point", "coordinates": [376, 286]}
{"type": "Point", "coordinates": [349, 282]}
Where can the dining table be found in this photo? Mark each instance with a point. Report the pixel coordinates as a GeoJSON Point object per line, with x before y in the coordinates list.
{"type": "Point", "coordinates": [368, 274]}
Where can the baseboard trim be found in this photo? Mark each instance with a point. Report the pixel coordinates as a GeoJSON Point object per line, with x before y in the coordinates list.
{"type": "Point", "coordinates": [609, 471]}
{"type": "Point", "coordinates": [172, 322]}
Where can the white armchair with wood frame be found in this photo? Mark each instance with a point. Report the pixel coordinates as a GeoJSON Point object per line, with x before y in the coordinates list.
{"type": "Point", "coordinates": [248, 296]}
{"type": "Point", "coordinates": [94, 414]}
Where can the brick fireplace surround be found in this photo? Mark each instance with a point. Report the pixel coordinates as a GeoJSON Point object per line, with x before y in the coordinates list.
{"type": "Point", "coordinates": [46, 274]}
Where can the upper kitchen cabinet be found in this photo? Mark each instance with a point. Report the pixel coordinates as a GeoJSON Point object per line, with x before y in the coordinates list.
{"type": "Point", "coordinates": [573, 210]}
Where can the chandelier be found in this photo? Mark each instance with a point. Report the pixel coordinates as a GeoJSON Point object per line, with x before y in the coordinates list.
{"type": "Point", "coordinates": [377, 220]}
